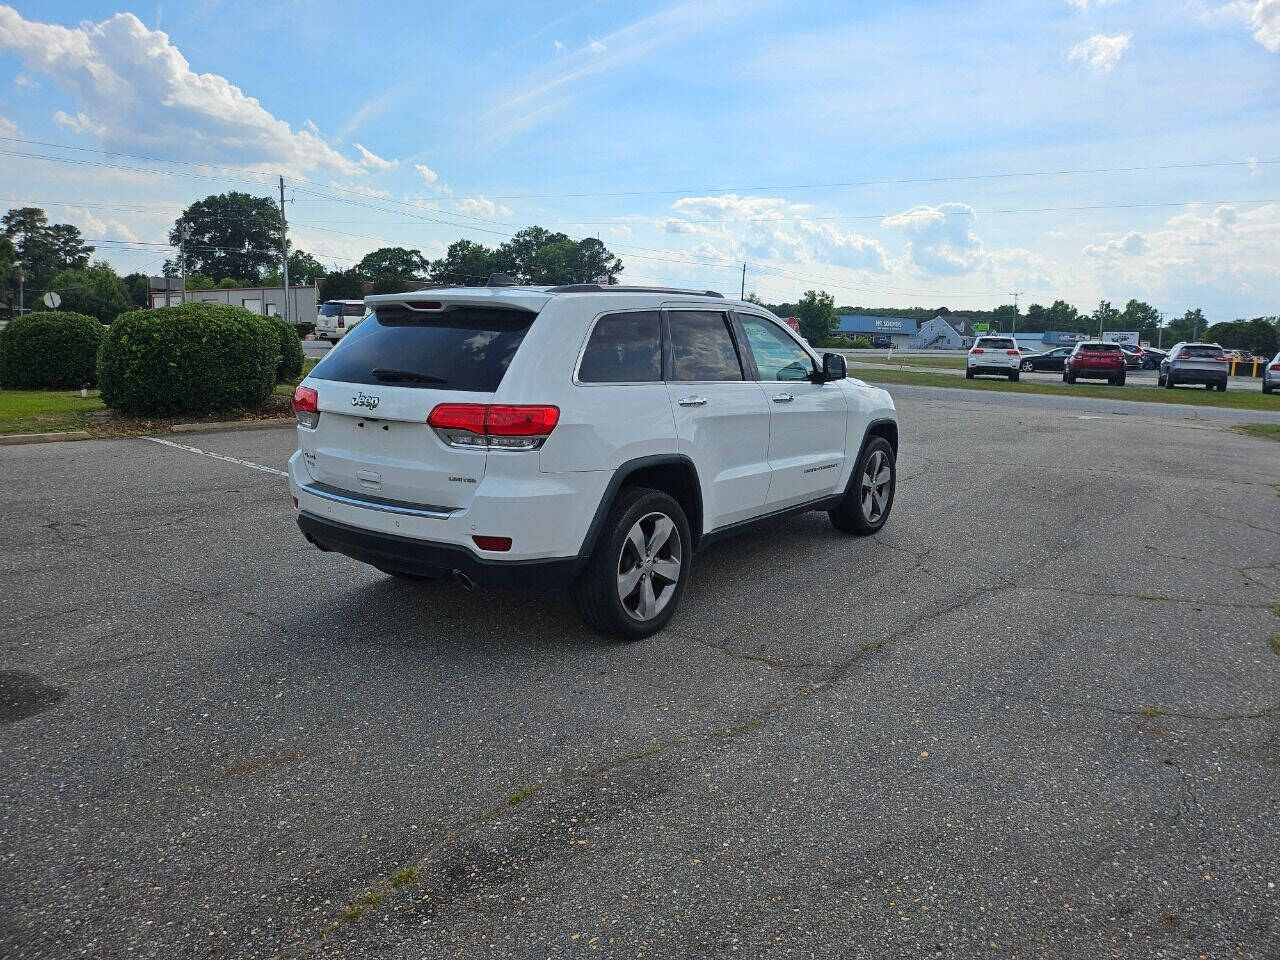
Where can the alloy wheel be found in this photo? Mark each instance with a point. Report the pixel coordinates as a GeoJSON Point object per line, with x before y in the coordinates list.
{"type": "Point", "coordinates": [875, 486]}
{"type": "Point", "coordinates": [649, 566]}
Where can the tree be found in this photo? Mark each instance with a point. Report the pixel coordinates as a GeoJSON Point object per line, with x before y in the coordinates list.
{"type": "Point", "coordinates": [304, 270]}
{"type": "Point", "coordinates": [8, 272]}
{"type": "Point", "coordinates": [1142, 317]}
{"type": "Point", "coordinates": [232, 235]}
{"type": "Point", "coordinates": [1187, 327]}
{"type": "Point", "coordinates": [342, 285]}
{"type": "Point", "coordinates": [93, 291]}
{"type": "Point", "coordinates": [1062, 316]}
{"type": "Point", "coordinates": [139, 287]}
{"type": "Point", "coordinates": [464, 262]}
{"type": "Point", "coordinates": [393, 269]}
{"type": "Point", "coordinates": [198, 281]}
{"type": "Point", "coordinates": [519, 255]}
{"type": "Point", "coordinates": [1104, 316]}
{"type": "Point", "coordinates": [817, 315]}
{"type": "Point", "coordinates": [1258, 336]}
{"type": "Point", "coordinates": [43, 248]}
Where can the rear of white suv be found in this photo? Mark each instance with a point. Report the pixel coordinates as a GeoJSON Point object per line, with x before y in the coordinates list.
{"type": "Point", "coordinates": [994, 355]}
{"type": "Point", "coordinates": [577, 436]}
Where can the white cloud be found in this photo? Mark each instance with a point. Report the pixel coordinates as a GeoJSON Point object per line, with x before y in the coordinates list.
{"type": "Point", "coordinates": [481, 207]}
{"type": "Point", "coordinates": [771, 228]}
{"type": "Point", "coordinates": [621, 230]}
{"type": "Point", "coordinates": [364, 191]}
{"type": "Point", "coordinates": [559, 45]}
{"type": "Point", "coordinates": [80, 123]}
{"type": "Point", "coordinates": [942, 238]}
{"type": "Point", "coordinates": [1132, 244]}
{"type": "Point", "coordinates": [8, 128]}
{"type": "Point", "coordinates": [426, 173]}
{"type": "Point", "coordinates": [1101, 52]}
{"type": "Point", "coordinates": [22, 80]}
{"type": "Point", "coordinates": [596, 46]}
{"type": "Point", "coordinates": [1261, 16]}
{"type": "Point", "coordinates": [135, 89]}
{"type": "Point", "coordinates": [374, 162]}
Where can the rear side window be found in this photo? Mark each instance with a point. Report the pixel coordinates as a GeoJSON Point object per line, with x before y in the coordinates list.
{"type": "Point", "coordinates": [701, 346]}
{"type": "Point", "coordinates": [468, 348]}
{"type": "Point", "coordinates": [624, 348]}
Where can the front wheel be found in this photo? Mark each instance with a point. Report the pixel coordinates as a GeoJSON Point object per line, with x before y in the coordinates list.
{"type": "Point", "coordinates": [869, 496]}
{"type": "Point", "coordinates": [1028, 366]}
{"type": "Point", "coordinates": [633, 582]}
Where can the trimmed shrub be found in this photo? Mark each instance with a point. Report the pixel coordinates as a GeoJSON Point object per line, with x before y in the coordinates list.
{"type": "Point", "coordinates": [859, 343]}
{"type": "Point", "coordinates": [52, 350]}
{"type": "Point", "coordinates": [194, 358]}
{"type": "Point", "coordinates": [291, 355]}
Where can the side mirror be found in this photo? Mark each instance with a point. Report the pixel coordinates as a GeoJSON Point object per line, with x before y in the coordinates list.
{"type": "Point", "coordinates": [833, 367]}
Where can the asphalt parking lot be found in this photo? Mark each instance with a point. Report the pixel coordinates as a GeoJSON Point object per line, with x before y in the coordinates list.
{"type": "Point", "coordinates": [1037, 716]}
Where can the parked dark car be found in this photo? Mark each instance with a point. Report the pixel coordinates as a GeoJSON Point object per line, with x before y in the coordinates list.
{"type": "Point", "coordinates": [881, 341]}
{"type": "Point", "coordinates": [1151, 358]}
{"type": "Point", "coordinates": [1049, 360]}
{"type": "Point", "coordinates": [1132, 356]}
{"type": "Point", "coordinates": [1095, 360]}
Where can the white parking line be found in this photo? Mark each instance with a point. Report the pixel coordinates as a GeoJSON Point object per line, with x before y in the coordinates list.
{"type": "Point", "coordinates": [218, 456]}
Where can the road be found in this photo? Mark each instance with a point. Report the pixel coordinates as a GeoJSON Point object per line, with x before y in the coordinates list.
{"type": "Point", "coordinates": [1037, 716]}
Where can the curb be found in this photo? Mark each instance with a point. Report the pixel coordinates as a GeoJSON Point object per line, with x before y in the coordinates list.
{"type": "Point", "coordinates": [229, 426]}
{"type": "Point", "coordinates": [13, 439]}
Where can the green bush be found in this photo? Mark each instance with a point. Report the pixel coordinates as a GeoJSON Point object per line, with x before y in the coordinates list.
{"type": "Point", "coordinates": [195, 358]}
{"type": "Point", "coordinates": [50, 350]}
{"type": "Point", "coordinates": [291, 356]}
{"type": "Point", "coordinates": [859, 343]}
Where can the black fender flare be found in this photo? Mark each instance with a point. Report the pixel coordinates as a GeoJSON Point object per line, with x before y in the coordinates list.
{"type": "Point", "coordinates": [619, 478]}
{"type": "Point", "coordinates": [866, 435]}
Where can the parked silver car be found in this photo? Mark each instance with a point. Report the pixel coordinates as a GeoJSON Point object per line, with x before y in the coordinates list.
{"type": "Point", "coordinates": [1271, 374]}
{"type": "Point", "coordinates": [1194, 363]}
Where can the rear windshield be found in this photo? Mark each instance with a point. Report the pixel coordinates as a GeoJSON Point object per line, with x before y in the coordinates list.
{"type": "Point", "coordinates": [1202, 351]}
{"type": "Point", "coordinates": [1113, 347]}
{"type": "Point", "coordinates": [468, 348]}
{"type": "Point", "coordinates": [996, 343]}
{"type": "Point", "coordinates": [342, 310]}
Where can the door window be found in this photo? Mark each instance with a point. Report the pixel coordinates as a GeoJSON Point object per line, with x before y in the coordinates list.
{"type": "Point", "coordinates": [624, 348]}
{"type": "Point", "coordinates": [777, 356]}
{"type": "Point", "coordinates": [702, 347]}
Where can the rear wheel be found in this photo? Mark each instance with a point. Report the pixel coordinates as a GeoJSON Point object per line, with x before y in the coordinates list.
{"type": "Point", "coordinates": [968, 374]}
{"type": "Point", "coordinates": [1028, 366]}
{"type": "Point", "coordinates": [1120, 380]}
{"type": "Point", "coordinates": [633, 582]}
{"type": "Point", "coordinates": [1266, 387]}
{"type": "Point", "coordinates": [1222, 387]}
{"type": "Point", "coordinates": [869, 497]}
{"type": "Point", "coordinates": [1168, 380]}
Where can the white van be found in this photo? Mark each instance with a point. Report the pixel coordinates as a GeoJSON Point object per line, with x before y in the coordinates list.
{"type": "Point", "coordinates": [336, 317]}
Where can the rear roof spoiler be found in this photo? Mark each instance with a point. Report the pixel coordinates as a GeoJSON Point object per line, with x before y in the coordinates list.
{"type": "Point", "coordinates": [615, 288]}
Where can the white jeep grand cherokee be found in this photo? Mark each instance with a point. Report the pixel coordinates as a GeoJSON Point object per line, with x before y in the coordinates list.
{"type": "Point", "coordinates": [585, 436]}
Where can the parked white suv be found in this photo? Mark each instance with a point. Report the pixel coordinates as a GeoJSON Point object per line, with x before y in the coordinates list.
{"type": "Point", "coordinates": [997, 355]}
{"type": "Point", "coordinates": [585, 436]}
{"type": "Point", "coordinates": [336, 318]}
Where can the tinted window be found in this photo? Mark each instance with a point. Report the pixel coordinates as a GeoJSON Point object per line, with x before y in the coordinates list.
{"type": "Point", "coordinates": [624, 348]}
{"type": "Point", "coordinates": [996, 343]}
{"type": "Point", "coordinates": [701, 347]}
{"type": "Point", "coordinates": [1202, 351]}
{"type": "Point", "coordinates": [1101, 347]}
{"type": "Point", "coordinates": [468, 348]}
{"type": "Point", "coordinates": [777, 356]}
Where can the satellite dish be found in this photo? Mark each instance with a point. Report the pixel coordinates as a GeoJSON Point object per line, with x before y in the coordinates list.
{"type": "Point", "coordinates": [52, 300]}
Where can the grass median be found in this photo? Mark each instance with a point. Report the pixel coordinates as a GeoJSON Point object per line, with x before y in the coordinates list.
{"type": "Point", "coordinates": [1251, 398]}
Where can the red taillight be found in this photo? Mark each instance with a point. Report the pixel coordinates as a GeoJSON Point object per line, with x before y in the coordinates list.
{"type": "Point", "coordinates": [306, 405]}
{"type": "Point", "coordinates": [1275, 368]}
{"type": "Point", "coordinates": [496, 544]}
{"type": "Point", "coordinates": [978, 350]}
{"type": "Point", "coordinates": [458, 416]}
{"type": "Point", "coordinates": [1012, 353]}
{"type": "Point", "coordinates": [506, 426]}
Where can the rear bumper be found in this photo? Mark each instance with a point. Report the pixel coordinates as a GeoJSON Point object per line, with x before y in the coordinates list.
{"type": "Point", "coordinates": [1002, 370]}
{"type": "Point", "coordinates": [431, 559]}
{"type": "Point", "coordinates": [1097, 373]}
{"type": "Point", "coordinates": [1198, 376]}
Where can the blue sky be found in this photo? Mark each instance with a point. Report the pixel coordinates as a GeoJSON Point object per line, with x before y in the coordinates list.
{"type": "Point", "coordinates": [858, 147]}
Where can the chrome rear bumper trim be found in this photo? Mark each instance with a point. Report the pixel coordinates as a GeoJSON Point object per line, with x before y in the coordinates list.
{"type": "Point", "coordinates": [401, 509]}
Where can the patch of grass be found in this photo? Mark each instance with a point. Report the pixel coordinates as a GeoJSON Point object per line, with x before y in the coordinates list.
{"type": "Point", "coordinates": [946, 363]}
{"type": "Point", "coordinates": [873, 645]}
{"type": "Point", "coordinates": [1263, 431]}
{"type": "Point", "coordinates": [517, 797]}
{"type": "Point", "coordinates": [1154, 712]}
{"type": "Point", "coordinates": [1275, 643]}
{"type": "Point", "coordinates": [641, 754]}
{"type": "Point", "coordinates": [360, 905]}
{"type": "Point", "coordinates": [42, 411]}
{"type": "Point", "coordinates": [403, 876]}
{"type": "Point", "coordinates": [1236, 399]}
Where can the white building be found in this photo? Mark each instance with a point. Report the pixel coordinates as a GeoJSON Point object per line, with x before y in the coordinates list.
{"type": "Point", "coordinates": [267, 301]}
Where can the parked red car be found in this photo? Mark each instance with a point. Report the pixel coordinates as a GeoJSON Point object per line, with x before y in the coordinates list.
{"type": "Point", "coordinates": [1095, 360]}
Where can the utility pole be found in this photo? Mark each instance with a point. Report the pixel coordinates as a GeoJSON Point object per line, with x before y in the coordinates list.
{"type": "Point", "coordinates": [1016, 295]}
{"type": "Point", "coordinates": [284, 245]}
{"type": "Point", "coordinates": [1160, 332]}
{"type": "Point", "coordinates": [184, 231]}
{"type": "Point", "coordinates": [743, 294]}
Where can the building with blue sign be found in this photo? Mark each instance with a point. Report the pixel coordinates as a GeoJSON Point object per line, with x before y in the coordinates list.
{"type": "Point", "coordinates": [881, 331]}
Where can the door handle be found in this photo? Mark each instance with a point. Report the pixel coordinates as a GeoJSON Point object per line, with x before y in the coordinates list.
{"type": "Point", "coordinates": [783, 398]}
{"type": "Point", "coordinates": [693, 402]}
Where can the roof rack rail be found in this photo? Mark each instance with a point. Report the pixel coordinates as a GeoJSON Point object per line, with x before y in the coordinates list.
{"type": "Point", "coordinates": [617, 288]}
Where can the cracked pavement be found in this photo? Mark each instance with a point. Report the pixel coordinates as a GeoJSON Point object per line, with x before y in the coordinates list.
{"type": "Point", "coordinates": [1037, 716]}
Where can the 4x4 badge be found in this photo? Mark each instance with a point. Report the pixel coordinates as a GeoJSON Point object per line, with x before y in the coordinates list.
{"type": "Point", "coordinates": [364, 400]}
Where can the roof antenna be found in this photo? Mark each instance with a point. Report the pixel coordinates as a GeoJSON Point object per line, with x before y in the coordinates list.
{"type": "Point", "coordinates": [501, 280]}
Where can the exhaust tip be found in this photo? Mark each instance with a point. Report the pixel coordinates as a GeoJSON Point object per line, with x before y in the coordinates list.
{"type": "Point", "coordinates": [463, 580]}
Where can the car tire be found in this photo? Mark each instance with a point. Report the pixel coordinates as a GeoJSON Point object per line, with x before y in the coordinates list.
{"type": "Point", "coordinates": [1120, 380]}
{"type": "Point", "coordinates": [1168, 381]}
{"type": "Point", "coordinates": [1159, 379]}
{"type": "Point", "coordinates": [1222, 387]}
{"type": "Point", "coordinates": [1266, 387]}
{"type": "Point", "coordinates": [1070, 378]}
{"type": "Point", "coordinates": [1013, 376]}
{"type": "Point", "coordinates": [868, 499]}
{"type": "Point", "coordinates": [968, 374]}
{"type": "Point", "coordinates": [634, 520]}
{"type": "Point", "coordinates": [1027, 366]}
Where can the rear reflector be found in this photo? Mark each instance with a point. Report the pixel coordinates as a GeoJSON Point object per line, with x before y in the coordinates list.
{"type": "Point", "coordinates": [496, 425]}
{"type": "Point", "coordinates": [496, 544]}
{"type": "Point", "coordinates": [306, 404]}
